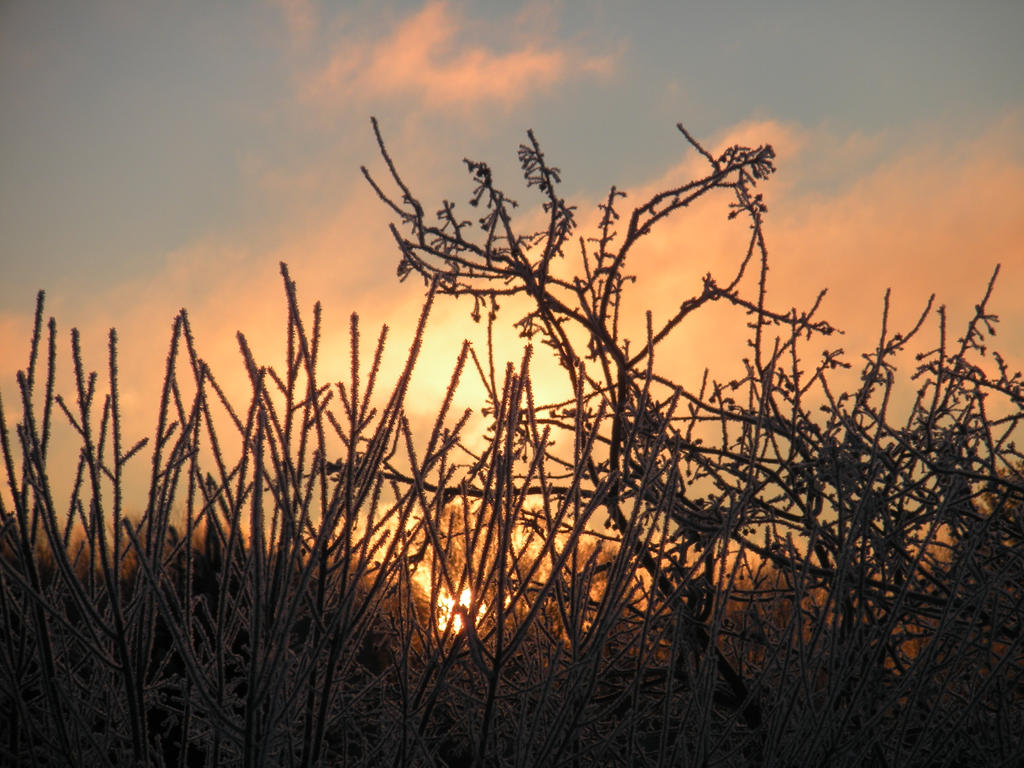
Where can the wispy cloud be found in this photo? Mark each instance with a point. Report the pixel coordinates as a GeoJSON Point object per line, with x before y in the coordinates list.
{"type": "Point", "coordinates": [432, 58]}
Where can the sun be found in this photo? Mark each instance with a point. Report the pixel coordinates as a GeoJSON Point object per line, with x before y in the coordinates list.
{"type": "Point", "coordinates": [450, 615]}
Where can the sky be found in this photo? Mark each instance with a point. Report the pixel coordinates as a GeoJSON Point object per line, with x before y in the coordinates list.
{"type": "Point", "coordinates": [159, 155]}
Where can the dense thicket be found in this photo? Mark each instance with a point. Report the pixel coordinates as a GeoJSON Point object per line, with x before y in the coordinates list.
{"type": "Point", "coordinates": [764, 571]}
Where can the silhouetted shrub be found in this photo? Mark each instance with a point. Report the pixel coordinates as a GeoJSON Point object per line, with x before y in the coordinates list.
{"type": "Point", "coordinates": [766, 571]}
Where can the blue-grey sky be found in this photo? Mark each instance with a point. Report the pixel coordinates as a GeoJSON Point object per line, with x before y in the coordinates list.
{"type": "Point", "coordinates": [156, 155]}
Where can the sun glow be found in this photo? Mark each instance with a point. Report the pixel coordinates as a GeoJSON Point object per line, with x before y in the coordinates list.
{"type": "Point", "coordinates": [450, 615]}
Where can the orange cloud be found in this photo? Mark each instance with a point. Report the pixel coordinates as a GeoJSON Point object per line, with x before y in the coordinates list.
{"type": "Point", "coordinates": [937, 218]}
{"type": "Point", "coordinates": [931, 217]}
{"type": "Point", "coordinates": [429, 57]}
